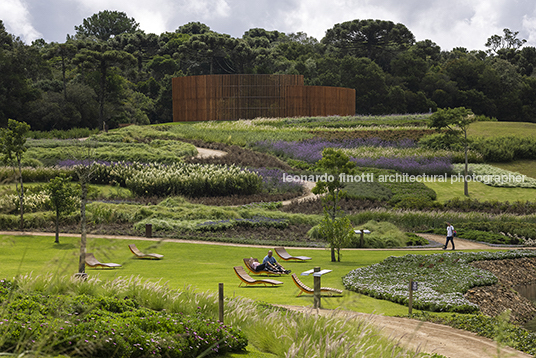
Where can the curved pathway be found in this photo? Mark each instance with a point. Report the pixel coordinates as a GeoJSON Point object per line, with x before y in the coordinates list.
{"type": "Point", "coordinates": [425, 336]}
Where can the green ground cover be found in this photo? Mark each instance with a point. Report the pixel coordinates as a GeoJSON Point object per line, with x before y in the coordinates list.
{"type": "Point", "coordinates": [448, 191]}
{"type": "Point", "coordinates": [499, 129]}
{"type": "Point", "coordinates": [524, 166]}
{"type": "Point", "coordinates": [202, 266]}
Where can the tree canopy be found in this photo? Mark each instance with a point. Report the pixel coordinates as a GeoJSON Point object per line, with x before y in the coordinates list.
{"type": "Point", "coordinates": [111, 72]}
{"type": "Point", "coordinates": [106, 24]}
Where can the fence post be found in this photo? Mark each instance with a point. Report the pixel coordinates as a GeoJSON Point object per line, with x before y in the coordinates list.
{"type": "Point", "coordinates": [220, 302]}
{"type": "Point", "coordinates": [410, 300]}
{"type": "Point", "coordinates": [148, 230]}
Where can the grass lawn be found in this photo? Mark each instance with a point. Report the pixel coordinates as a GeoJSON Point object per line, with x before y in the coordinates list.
{"type": "Point", "coordinates": [447, 190]}
{"type": "Point", "coordinates": [525, 166]}
{"type": "Point", "coordinates": [501, 129]}
{"type": "Point", "coordinates": [201, 266]}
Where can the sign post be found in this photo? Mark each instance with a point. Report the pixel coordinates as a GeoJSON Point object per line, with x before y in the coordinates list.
{"type": "Point", "coordinates": [317, 274]}
{"type": "Point", "coordinates": [316, 280]}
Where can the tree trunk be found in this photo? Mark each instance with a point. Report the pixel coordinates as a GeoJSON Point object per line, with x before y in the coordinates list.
{"type": "Point", "coordinates": [465, 185]}
{"type": "Point", "coordinates": [57, 241]}
{"type": "Point", "coordinates": [333, 254]}
{"type": "Point", "coordinates": [21, 196]}
{"type": "Point", "coordinates": [101, 95]}
{"type": "Point", "coordinates": [82, 261]}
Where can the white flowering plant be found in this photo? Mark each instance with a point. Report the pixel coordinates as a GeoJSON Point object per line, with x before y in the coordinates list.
{"type": "Point", "coordinates": [442, 279]}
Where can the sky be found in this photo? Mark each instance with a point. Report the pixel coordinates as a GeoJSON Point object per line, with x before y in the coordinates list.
{"type": "Point", "coordinates": [448, 23]}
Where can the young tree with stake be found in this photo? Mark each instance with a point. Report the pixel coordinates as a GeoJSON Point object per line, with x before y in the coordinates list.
{"type": "Point", "coordinates": [337, 231]}
{"type": "Point", "coordinates": [62, 197]}
{"type": "Point", "coordinates": [12, 146]}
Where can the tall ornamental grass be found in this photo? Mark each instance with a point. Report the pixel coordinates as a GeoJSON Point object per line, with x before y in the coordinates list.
{"type": "Point", "coordinates": [192, 180]}
{"type": "Point", "coordinates": [269, 329]}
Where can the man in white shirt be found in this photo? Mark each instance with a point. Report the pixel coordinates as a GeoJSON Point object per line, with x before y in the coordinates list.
{"type": "Point", "coordinates": [450, 236]}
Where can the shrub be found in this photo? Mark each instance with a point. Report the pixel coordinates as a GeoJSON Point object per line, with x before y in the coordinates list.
{"type": "Point", "coordinates": [506, 149]}
{"type": "Point", "coordinates": [108, 327]}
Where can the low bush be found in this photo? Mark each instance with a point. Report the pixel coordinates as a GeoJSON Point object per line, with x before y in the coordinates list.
{"type": "Point", "coordinates": [81, 325]}
{"type": "Point", "coordinates": [506, 149]}
{"type": "Point", "coordinates": [383, 234]}
{"type": "Point", "coordinates": [63, 134]}
{"type": "Point", "coordinates": [52, 152]}
{"type": "Point", "coordinates": [415, 240]}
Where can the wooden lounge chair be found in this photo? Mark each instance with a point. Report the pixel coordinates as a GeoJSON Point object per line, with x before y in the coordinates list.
{"type": "Point", "coordinates": [261, 272]}
{"type": "Point", "coordinates": [91, 261]}
{"type": "Point", "coordinates": [281, 252]}
{"type": "Point", "coordinates": [248, 280]}
{"type": "Point", "coordinates": [141, 255]}
{"type": "Point", "coordinates": [306, 289]}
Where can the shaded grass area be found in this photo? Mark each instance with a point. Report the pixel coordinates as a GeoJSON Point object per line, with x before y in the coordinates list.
{"type": "Point", "coordinates": [500, 129]}
{"type": "Point", "coordinates": [201, 266]}
{"type": "Point", "coordinates": [524, 166]}
{"type": "Point", "coordinates": [447, 191]}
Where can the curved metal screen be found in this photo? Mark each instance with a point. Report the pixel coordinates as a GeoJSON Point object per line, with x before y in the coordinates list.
{"type": "Point", "coordinates": [228, 97]}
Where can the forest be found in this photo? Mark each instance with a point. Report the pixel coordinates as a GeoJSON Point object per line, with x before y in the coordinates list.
{"type": "Point", "coordinates": [110, 72]}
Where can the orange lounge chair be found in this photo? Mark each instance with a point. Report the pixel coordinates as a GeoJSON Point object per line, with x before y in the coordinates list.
{"type": "Point", "coordinates": [248, 280]}
{"type": "Point", "coordinates": [306, 289]}
{"type": "Point", "coordinates": [281, 252]}
{"type": "Point", "coordinates": [261, 272]}
{"type": "Point", "coordinates": [141, 255]}
{"type": "Point", "coordinates": [91, 261]}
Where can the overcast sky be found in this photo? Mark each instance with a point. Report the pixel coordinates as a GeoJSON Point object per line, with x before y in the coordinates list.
{"type": "Point", "coordinates": [449, 23]}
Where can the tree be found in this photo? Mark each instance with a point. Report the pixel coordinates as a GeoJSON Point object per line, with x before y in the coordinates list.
{"type": "Point", "coordinates": [456, 121]}
{"type": "Point", "coordinates": [102, 58]}
{"type": "Point", "coordinates": [378, 40]}
{"type": "Point", "coordinates": [61, 197]}
{"type": "Point", "coordinates": [84, 171]}
{"type": "Point", "coordinates": [63, 52]}
{"type": "Point", "coordinates": [106, 24]}
{"type": "Point", "coordinates": [12, 140]}
{"type": "Point", "coordinates": [336, 164]}
{"type": "Point", "coordinates": [507, 42]}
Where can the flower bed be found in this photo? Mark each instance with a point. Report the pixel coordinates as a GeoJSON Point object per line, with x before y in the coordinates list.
{"type": "Point", "coordinates": [443, 279]}
{"type": "Point", "coordinates": [192, 180]}
{"type": "Point", "coordinates": [493, 176]}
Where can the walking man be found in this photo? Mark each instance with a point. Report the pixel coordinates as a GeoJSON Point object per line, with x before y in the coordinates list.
{"type": "Point", "coordinates": [450, 236]}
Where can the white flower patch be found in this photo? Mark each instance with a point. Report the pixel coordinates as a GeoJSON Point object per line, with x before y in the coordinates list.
{"type": "Point", "coordinates": [494, 176]}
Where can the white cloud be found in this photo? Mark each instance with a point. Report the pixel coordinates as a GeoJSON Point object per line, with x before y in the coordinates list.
{"type": "Point", "coordinates": [17, 20]}
{"type": "Point", "coordinates": [449, 23]}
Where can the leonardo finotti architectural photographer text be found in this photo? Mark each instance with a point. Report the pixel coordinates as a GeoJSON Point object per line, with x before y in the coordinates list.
{"type": "Point", "coordinates": [403, 178]}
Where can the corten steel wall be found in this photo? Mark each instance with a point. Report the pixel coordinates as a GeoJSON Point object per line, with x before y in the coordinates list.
{"type": "Point", "coordinates": [225, 97]}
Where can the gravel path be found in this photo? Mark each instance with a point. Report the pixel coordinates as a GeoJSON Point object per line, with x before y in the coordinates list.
{"type": "Point", "coordinates": [427, 337]}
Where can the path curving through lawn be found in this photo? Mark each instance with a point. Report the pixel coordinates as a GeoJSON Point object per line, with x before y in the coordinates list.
{"type": "Point", "coordinates": [426, 337]}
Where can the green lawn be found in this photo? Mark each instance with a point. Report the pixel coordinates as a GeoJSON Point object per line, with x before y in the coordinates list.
{"type": "Point", "coordinates": [447, 190]}
{"type": "Point", "coordinates": [525, 166]}
{"type": "Point", "coordinates": [201, 266]}
{"type": "Point", "coordinates": [501, 129]}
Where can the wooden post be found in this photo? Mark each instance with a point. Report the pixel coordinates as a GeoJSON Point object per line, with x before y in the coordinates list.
{"type": "Point", "coordinates": [316, 288]}
{"type": "Point", "coordinates": [148, 230]}
{"type": "Point", "coordinates": [220, 302]}
{"type": "Point", "coordinates": [362, 239]}
{"type": "Point", "coordinates": [410, 300]}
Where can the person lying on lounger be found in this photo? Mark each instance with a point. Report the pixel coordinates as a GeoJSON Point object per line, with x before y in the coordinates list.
{"type": "Point", "coordinates": [271, 264]}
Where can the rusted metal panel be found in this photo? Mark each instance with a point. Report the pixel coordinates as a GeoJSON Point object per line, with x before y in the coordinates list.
{"type": "Point", "coordinates": [225, 97]}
